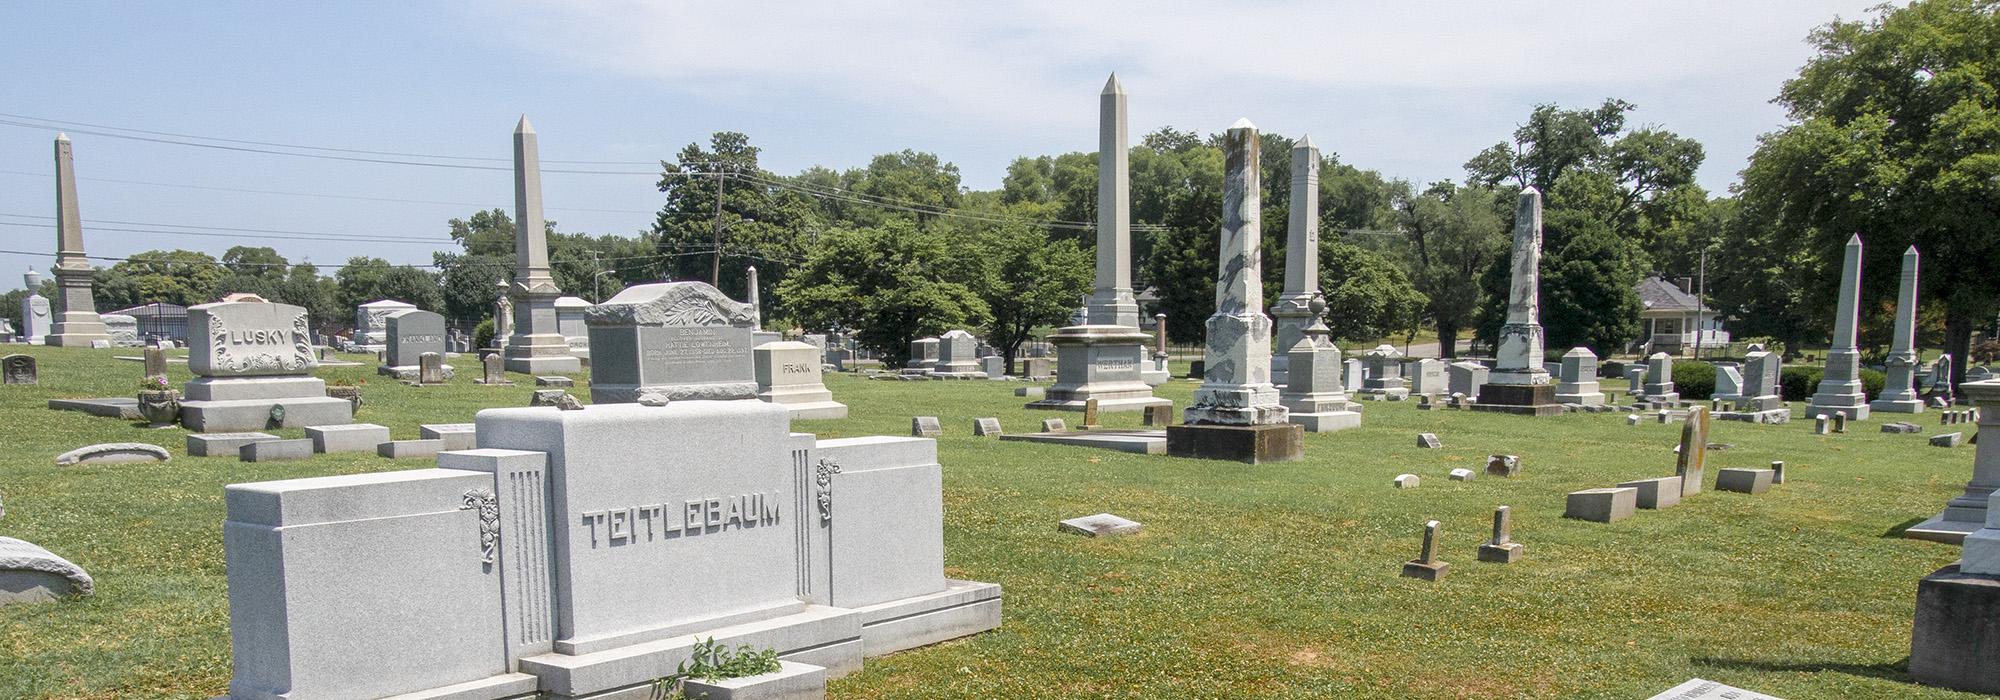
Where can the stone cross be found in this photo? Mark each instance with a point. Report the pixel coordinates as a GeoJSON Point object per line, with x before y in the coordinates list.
{"type": "Point", "coordinates": [537, 347]}
{"type": "Point", "coordinates": [1899, 390]}
{"type": "Point", "coordinates": [1293, 313]}
{"type": "Point", "coordinates": [1840, 387]}
{"type": "Point", "coordinates": [76, 323]}
{"type": "Point", "coordinates": [1236, 385]}
{"type": "Point", "coordinates": [1693, 457]}
{"type": "Point", "coordinates": [1111, 302]}
{"type": "Point", "coordinates": [1519, 357]}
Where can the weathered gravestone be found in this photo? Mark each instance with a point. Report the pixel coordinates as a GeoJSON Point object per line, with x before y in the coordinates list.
{"type": "Point", "coordinates": [31, 574]}
{"type": "Point", "coordinates": [253, 365]}
{"type": "Point", "coordinates": [371, 327]}
{"type": "Point", "coordinates": [788, 374]}
{"type": "Point", "coordinates": [1502, 549]}
{"type": "Point", "coordinates": [1427, 566]}
{"type": "Point", "coordinates": [537, 563]}
{"type": "Point", "coordinates": [1428, 441]}
{"type": "Point", "coordinates": [923, 353]}
{"type": "Point", "coordinates": [1660, 379]}
{"type": "Point", "coordinates": [986, 427]}
{"type": "Point", "coordinates": [18, 369]}
{"type": "Point", "coordinates": [494, 370]}
{"type": "Point", "coordinates": [411, 333]}
{"type": "Point", "coordinates": [1693, 452]}
{"type": "Point", "coordinates": [1467, 378]}
{"type": "Point", "coordinates": [1427, 377]}
{"type": "Point", "coordinates": [678, 340]}
{"type": "Point", "coordinates": [925, 426]}
{"type": "Point", "coordinates": [1576, 381]}
{"type": "Point", "coordinates": [1698, 689]}
{"type": "Point", "coordinates": [156, 363]}
{"type": "Point", "coordinates": [431, 368]}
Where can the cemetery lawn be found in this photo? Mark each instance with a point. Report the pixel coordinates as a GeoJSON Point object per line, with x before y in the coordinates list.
{"type": "Point", "coordinates": [1247, 581]}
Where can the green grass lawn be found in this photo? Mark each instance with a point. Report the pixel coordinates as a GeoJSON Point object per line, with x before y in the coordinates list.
{"type": "Point", "coordinates": [1248, 581]}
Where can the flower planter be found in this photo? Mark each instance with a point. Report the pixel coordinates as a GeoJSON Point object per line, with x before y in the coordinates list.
{"type": "Point", "coordinates": [351, 393]}
{"type": "Point", "coordinates": [792, 681]}
{"type": "Point", "coordinates": [160, 408]}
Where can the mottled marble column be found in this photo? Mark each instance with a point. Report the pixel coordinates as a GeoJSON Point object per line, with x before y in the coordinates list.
{"type": "Point", "coordinates": [1840, 388]}
{"type": "Point", "coordinates": [1519, 358]}
{"type": "Point", "coordinates": [1237, 390]}
{"type": "Point", "coordinates": [1899, 391]}
{"type": "Point", "coordinates": [76, 322]}
{"type": "Point", "coordinates": [1293, 313]}
{"type": "Point", "coordinates": [537, 346]}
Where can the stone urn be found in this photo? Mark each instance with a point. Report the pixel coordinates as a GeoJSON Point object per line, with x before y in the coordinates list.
{"type": "Point", "coordinates": [160, 407]}
{"type": "Point", "coordinates": [351, 393]}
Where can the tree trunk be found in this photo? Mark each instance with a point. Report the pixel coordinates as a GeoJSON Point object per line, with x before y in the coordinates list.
{"type": "Point", "coordinates": [1958, 342]}
{"type": "Point", "coordinates": [1447, 341]}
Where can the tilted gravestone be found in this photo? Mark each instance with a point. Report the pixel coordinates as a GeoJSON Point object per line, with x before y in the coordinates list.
{"type": "Point", "coordinates": [679, 340]}
{"type": "Point", "coordinates": [925, 426]}
{"type": "Point", "coordinates": [1693, 455]}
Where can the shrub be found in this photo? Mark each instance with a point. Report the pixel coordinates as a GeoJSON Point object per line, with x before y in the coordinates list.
{"type": "Point", "coordinates": [1694, 380]}
{"type": "Point", "coordinates": [482, 334]}
{"type": "Point", "coordinates": [1799, 383]}
{"type": "Point", "coordinates": [1610, 370]}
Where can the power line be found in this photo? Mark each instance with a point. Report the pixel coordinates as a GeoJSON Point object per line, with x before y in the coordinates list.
{"type": "Point", "coordinates": [336, 235]}
{"type": "Point", "coordinates": [60, 124]}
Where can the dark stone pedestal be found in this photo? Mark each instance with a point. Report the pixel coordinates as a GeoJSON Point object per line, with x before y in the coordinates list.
{"type": "Point", "coordinates": [1524, 399]}
{"type": "Point", "coordinates": [1432, 571]}
{"type": "Point", "coordinates": [1250, 444]}
{"type": "Point", "coordinates": [1957, 639]}
{"type": "Point", "coordinates": [1197, 369]}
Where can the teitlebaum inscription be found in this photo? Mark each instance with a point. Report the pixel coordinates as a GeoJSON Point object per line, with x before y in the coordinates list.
{"type": "Point", "coordinates": [664, 521]}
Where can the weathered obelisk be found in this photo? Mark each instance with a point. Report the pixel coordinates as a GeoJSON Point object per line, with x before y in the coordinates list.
{"type": "Point", "coordinates": [1293, 312]}
{"type": "Point", "coordinates": [1840, 388]}
{"type": "Point", "coordinates": [1103, 357]}
{"type": "Point", "coordinates": [1236, 414]}
{"type": "Point", "coordinates": [76, 322]}
{"type": "Point", "coordinates": [1519, 382]}
{"type": "Point", "coordinates": [537, 347]}
{"type": "Point", "coordinates": [1899, 392]}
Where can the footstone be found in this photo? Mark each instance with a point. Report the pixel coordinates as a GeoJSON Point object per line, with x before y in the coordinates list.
{"type": "Point", "coordinates": [792, 681]}
{"type": "Point", "coordinates": [1656, 493]}
{"type": "Point", "coordinates": [1750, 481]}
{"type": "Point", "coordinates": [986, 427]}
{"type": "Point", "coordinates": [221, 444]}
{"type": "Point", "coordinates": [1947, 440]}
{"type": "Point", "coordinates": [1821, 426]}
{"type": "Point", "coordinates": [113, 453]}
{"type": "Point", "coordinates": [1250, 444]}
{"type": "Point", "coordinates": [1901, 428]}
{"type": "Point", "coordinates": [453, 436]}
{"type": "Point", "coordinates": [1407, 481]}
{"type": "Point", "coordinates": [409, 449]}
{"type": "Point", "coordinates": [275, 450]}
{"type": "Point", "coordinates": [1427, 566]}
{"type": "Point", "coordinates": [1777, 472]}
{"type": "Point", "coordinates": [1461, 475]}
{"type": "Point", "coordinates": [1429, 441]}
{"type": "Point", "coordinates": [1698, 689]}
{"type": "Point", "coordinates": [1839, 422]}
{"type": "Point", "coordinates": [357, 437]}
{"type": "Point", "coordinates": [1501, 549]}
{"type": "Point", "coordinates": [1632, 420]}
{"type": "Point", "coordinates": [31, 574]}
{"type": "Point", "coordinates": [558, 381]}
{"type": "Point", "coordinates": [1032, 392]}
{"type": "Point", "coordinates": [1054, 425]}
{"type": "Point", "coordinates": [925, 426]}
{"type": "Point", "coordinates": [121, 407]}
{"type": "Point", "coordinates": [1099, 525]}
{"type": "Point", "coordinates": [1508, 466]}
{"type": "Point", "coordinates": [1607, 505]}
{"type": "Point", "coordinates": [1956, 636]}
{"type": "Point", "coordinates": [1160, 416]}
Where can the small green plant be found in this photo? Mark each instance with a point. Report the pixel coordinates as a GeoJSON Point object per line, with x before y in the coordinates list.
{"type": "Point", "coordinates": [154, 383]}
{"type": "Point", "coordinates": [711, 661]}
{"type": "Point", "coordinates": [343, 381]}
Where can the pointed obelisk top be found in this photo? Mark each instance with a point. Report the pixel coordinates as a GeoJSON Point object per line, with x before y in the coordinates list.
{"type": "Point", "coordinates": [1113, 87]}
{"type": "Point", "coordinates": [1243, 123]}
{"type": "Point", "coordinates": [1911, 252]}
{"type": "Point", "coordinates": [524, 127]}
{"type": "Point", "coordinates": [1854, 240]}
{"type": "Point", "coordinates": [60, 136]}
{"type": "Point", "coordinates": [1305, 141]}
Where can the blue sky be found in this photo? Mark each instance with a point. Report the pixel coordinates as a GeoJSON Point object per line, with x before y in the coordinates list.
{"type": "Point", "coordinates": [1411, 90]}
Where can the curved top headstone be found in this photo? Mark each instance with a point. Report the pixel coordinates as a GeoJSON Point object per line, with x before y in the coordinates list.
{"type": "Point", "coordinates": [672, 304]}
{"type": "Point", "coordinates": [677, 340]}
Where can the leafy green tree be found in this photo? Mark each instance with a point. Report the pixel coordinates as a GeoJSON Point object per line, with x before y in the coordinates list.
{"type": "Point", "coordinates": [260, 261]}
{"type": "Point", "coordinates": [1589, 285]}
{"type": "Point", "coordinates": [303, 286]}
{"type": "Point", "coordinates": [182, 277]}
{"type": "Point", "coordinates": [1368, 296]}
{"type": "Point", "coordinates": [885, 283]}
{"type": "Point", "coordinates": [766, 220]}
{"type": "Point", "coordinates": [1895, 134]}
{"type": "Point", "coordinates": [364, 279]}
{"type": "Point", "coordinates": [1028, 281]}
{"type": "Point", "coordinates": [1454, 234]}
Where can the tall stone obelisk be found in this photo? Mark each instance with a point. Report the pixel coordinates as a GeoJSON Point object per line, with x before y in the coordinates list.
{"type": "Point", "coordinates": [1899, 392]}
{"type": "Point", "coordinates": [1840, 388]}
{"type": "Point", "coordinates": [1293, 313]}
{"type": "Point", "coordinates": [537, 347]}
{"type": "Point", "coordinates": [1519, 382]}
{"type": "Point", "coordinates": [1104, 357]}
{"type": "Point", "coordinates": [1236, 414]}
{"type": "Point", "coordinates": [76, 321]}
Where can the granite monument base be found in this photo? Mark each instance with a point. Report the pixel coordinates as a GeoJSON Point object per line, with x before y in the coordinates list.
{"type": "Point", "coordinates": [1249, 444]}
{"type": "Point", "coordinates": [1956, 641]}
{"type": "Point", "coordinates": [1102, 363]}
{"type": "Point", "coordinates": [1145, 442]}
{"type": "Point", "coordinates": [1523, 399]}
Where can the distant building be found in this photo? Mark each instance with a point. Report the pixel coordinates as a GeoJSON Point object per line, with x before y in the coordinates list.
{"type": "Point", "coordinates": [159, 321]}
{"type": "Point", "coordinates": [1675, 321]}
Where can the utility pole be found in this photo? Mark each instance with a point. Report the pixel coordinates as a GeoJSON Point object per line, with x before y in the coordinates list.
{"type": "Point", "coordinates": [715, 266]}
{"type": "Point", "coordinates": [1700, 300]}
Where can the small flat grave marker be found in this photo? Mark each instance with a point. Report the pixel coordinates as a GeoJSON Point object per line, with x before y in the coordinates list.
{"type": "Point", "coordinates": [1407, 481]}
{"type": "Point", "coordinates": [1099, 525]}
{"type": "Point", "coordinates": [1429, 441]}
{"type": "Point", "coordinates": [985, 427]}
{"type": "Point", "coordinates": [1698, 689]}
{"type": "Point", "coordinates": [1461, 475]}
{"type": "Point", "coordinates": [925, 426]}
{"type": "Point", "coordinates": [1054, 425]}
{"type": "Point", "coordinates": [1947, 440]}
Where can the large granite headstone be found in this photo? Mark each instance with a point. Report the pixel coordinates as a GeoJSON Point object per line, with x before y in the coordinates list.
{"type": "Point", "coordinates": [122, 329]}
{"type": "Point", "coordinates": [570, 312]}
{"type": "Point", "coordinates": [253, 365]}
{"type": "Point", "coordinates": [957, 354]}
{"type": "Point", "coordinates": [1467, 378]}
{"type": "Point", "coordinates": [671, 340]}
{"type": "Point", "coordinates": [371, 323]}
{"type": "Point", "coordinates": [410, 334]}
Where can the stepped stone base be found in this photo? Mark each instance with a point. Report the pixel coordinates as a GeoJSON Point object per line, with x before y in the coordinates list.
{"type": "Point", "coordinates": [1250, 444]}
{"type": "Point", "coordinates": [1523, 399]}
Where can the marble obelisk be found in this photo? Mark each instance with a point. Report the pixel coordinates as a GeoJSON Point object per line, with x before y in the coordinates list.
{"type": "Point", "coordinates": [76, 322]}
{"type": "Point", "coordinates": [536, 347]}
{"type": "Point", "coordinates": [1840, 388]}
{"type": "Point", "coordinates": [1899, 392]}
{"type": "Point", "coordinates": [1237, 390]}
{"type": "Point", "coordinates": [1519, 382]}
{"type": "Point", "coordinates": [1293, 313]}
{"type": "Point", "coordinates": [754, 300]}
{"type": "Point", "coordinates": [1104, 356]}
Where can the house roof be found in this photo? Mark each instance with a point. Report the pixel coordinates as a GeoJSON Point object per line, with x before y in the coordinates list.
{"type": "Point", "coordinates": [1662, 296]}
